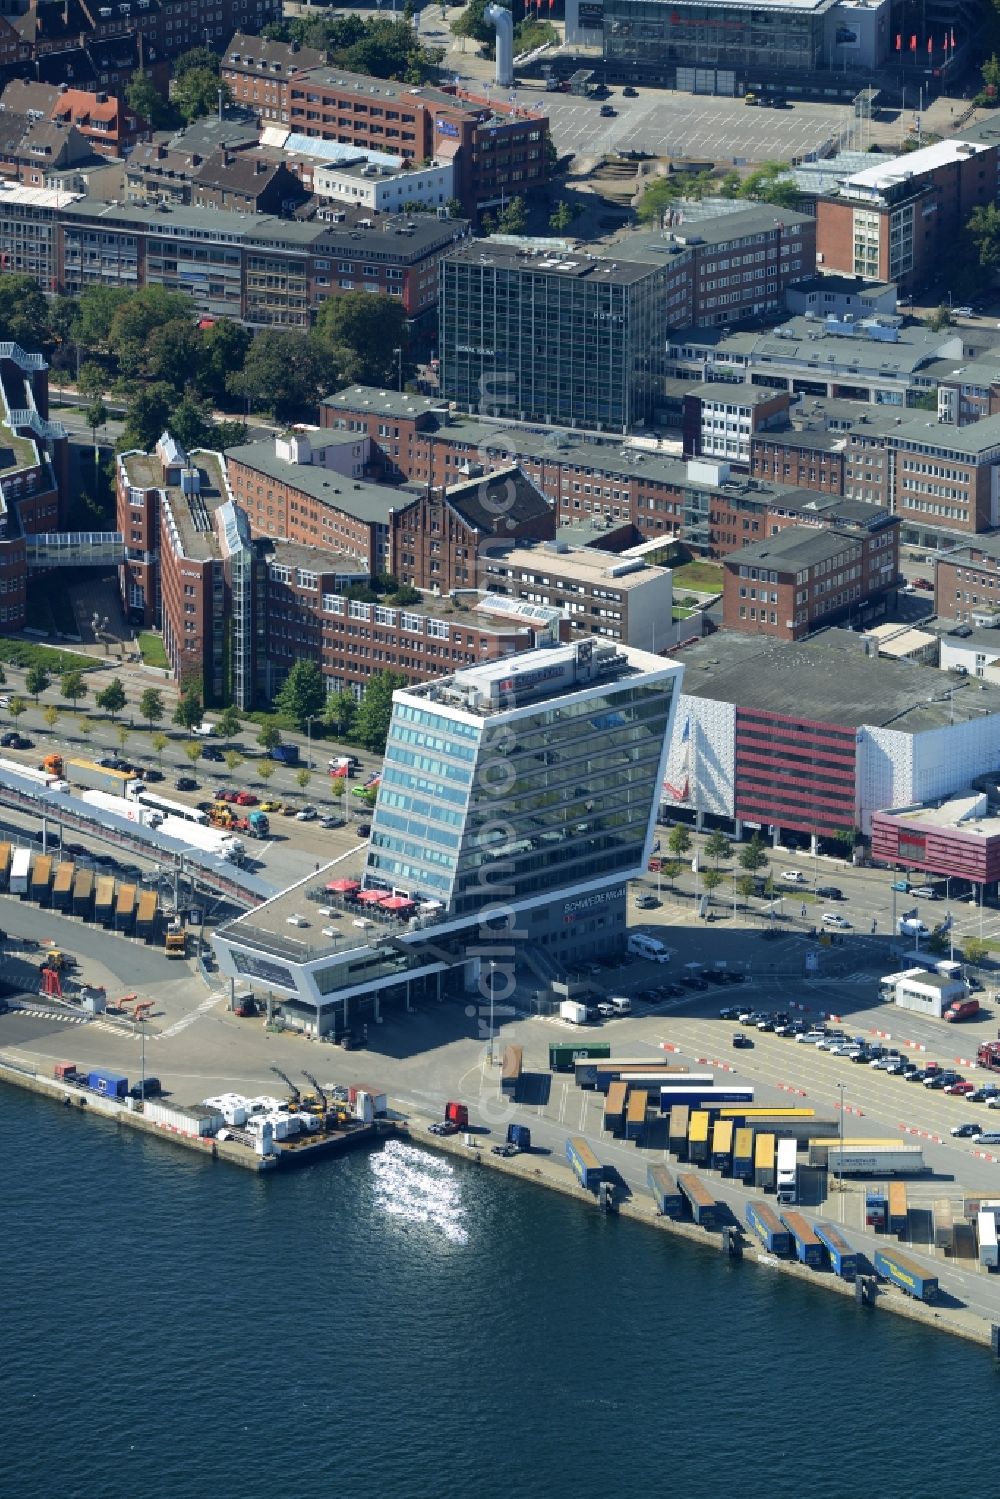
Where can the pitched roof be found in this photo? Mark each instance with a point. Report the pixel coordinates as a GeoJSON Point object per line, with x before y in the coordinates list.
{"type": "Point", "coordinates": [497, 502]}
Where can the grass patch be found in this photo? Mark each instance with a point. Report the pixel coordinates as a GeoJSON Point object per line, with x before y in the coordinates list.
{"type": "Point", "coordinates": [24, 654]}
{"type": "Point", "coordinates": [704, 576]}
{"type": "Point", "coordinates": [678, 612]}
{"type": "Point", "coordinates": [152, 650]}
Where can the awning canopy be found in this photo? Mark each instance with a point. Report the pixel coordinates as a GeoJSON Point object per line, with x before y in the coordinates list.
{"type": "Point", "coordinates": [343, 886]}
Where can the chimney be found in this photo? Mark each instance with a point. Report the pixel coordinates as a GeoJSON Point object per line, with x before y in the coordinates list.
{"type": "Point", "coordinates": [259, 167]}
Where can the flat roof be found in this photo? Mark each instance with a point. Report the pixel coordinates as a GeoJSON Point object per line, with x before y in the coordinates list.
{"type": "Point", "coordinates": [831, 678]}
{"type": "Point", "coordinates": [581, 562]}
{"type": "Point", "coordinates": [802, 437]}
{"type": "Point", "coordinates": [521, 257]}
{"type": "Point", "coordinates": [794, 547]}
{"type": "Point", "coordinates": [366, 502]}
{"type": "Point", "coordinates": [976, 640]}
{"type": "Point", "coordinates": [889, 173]}
{"type": "Point", "coordinates": [711, 229]}
{"type": "Point", "coordinates": [365, 398]}
{"type": "Point", "coordinates": [961, 813]}
{"type": "Point", "coordinates": [902, 640]}
{"type": "Point", "coordinates": [977, 437]}
{"type": "Point", "coordinates": [193, 514]}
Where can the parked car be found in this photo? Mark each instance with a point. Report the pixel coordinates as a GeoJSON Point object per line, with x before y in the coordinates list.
{"type": "Point", "coordinates": [186, 783]}
{"type": "Point", "coordinates": [210, 752]}
{"type": "Point", "coordinates": [608, 111]}
{"type": "Point", "coordinates": [811, 1038]}
{"type": "Point", "coordinates": [896, 1068]}
{"type": "Point", "coordinates": [902, 886]}
{"type": "Point", "coordinates": [741, 1040]}
{"type": "Point", "coordinates": [834, 919]}
{"type": "Point", "coordinates": [646, 902]}
{"type": "Point", "coordinates": [830, 892]}
{"type": "Point", "coordinates": [152, 775]}
{"type": "Point", "coordinates": [628, 92]}
{"type": "Point", "coordinates": [364, 829]}
{"type": "Point", "coordinates": [984, 1094]}
{"type": "Point", "coordinates": [330, 822]}
{"type": "Point", "coordinates": [960, 1089]}
{"type": "Point", "coordinates": [150, 1087]}
{"type": "Point", "coordinates": [245, 799]}
{"type": "Point", "coordinates": [308, 814]}
{"type": "Point", "coordinates": [923, 892]}
{"type": "Point", "coordinates": [729, 1012]}
{"type": "Point", "coordinates": [966, 1131]}
{"type": "Point", "coordinates": [793, 877]}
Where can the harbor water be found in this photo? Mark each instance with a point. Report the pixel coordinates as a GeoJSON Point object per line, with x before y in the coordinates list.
{"type": "Point", "coordinates": [398, 1323]}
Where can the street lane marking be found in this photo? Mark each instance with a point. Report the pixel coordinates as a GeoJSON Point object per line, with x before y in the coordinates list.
{"type": "Point", "coordinates": [186, 1020]}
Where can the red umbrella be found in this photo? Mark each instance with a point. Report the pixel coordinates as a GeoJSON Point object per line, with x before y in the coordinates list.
{"type": "Point", "coordinates": [344, 887]}
{"type": "Point", "coordinates": [398, 903]}
{"type": "Point", "coordinates": [373, 897]}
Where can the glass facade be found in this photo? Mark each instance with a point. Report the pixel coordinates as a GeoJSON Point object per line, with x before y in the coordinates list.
{"type": "Point", "coordinates": [552, 347]}
{"type": "Point", "coordinates": [522, 803]}
{"type": "Point", "coordinates": [648, 32]}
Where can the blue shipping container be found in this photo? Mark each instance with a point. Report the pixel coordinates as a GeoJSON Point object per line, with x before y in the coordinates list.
{"type": "Point", "coordinates": [843, 1259]}
{"type": "Point", "coordinates": [906, 1275]}
{"type": "Point", "coordinates": [286, 754]}
{"type": "Point", "coordinates": [111, 1083]}
{"type": "Point", "coordinates": [588, 1168]}
{"type": "Point", "coordinates": [768, 1227]}
{"type": "Point", "coordinates": [519, 1135]}
{"type": "Point", "coordinates": [666, 1193]}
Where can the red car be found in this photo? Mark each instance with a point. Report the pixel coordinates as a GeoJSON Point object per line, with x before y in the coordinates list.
{"type": "Point", "coordinates": [225, 796]}
{"type": "Point", "coordinates": [924, 583]}
{"type": "Point", "coordinates": [245, 799]}
{"type": "Point", "coordinates": [960, 1088]}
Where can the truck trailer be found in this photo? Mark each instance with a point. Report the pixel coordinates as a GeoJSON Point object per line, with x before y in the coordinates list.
{"type": "Point", "coordinates": [614, 1108]}
{"type": "Point", "coordinates": [869, 1160]}
{"type": "Point", "coordinates": [677, 1131]}
{"type": "Point", "coordinates": [510, 1074]}
{"type": "Point", "coordinates": [898, 1213]}
{"type": "Point", "coordinates": [584, 1163]}
{"type": "Point", "coordinates": [104, 900]}
{"type": "Point", "coordinates": [62, 886]}
{"type": "Point", "coordinates": [96, 777]}
{"type": "Point", "coordinates": [20, 871]}
{"type": "Point", "coordinates": [83, 894]}
{"type": "Point", "coordinates": [698, 1137]}
{"type": "Point", "coordinates": [808, 1247]}
{"type": "Point", "coordinates": [564, 1056]}
{"type": "Point", "coordinates": [768, 1227]}
{"type": "Point", "coordinates": [787, 1174]}
{"type": "Point", "coordinates": [666, 1194]}
{"type": "Point", "coordinates": [908, 1276]}
{"type": "Point", "coordinates": [635, 1115]}
{"type": "Point", "coordinates": [41, 879]}
{"type": "Point", "coordinates": [722, 1145]}
{"type": "Point", "coordinates": [743, 1154]}
{"type": "Point", "coordinates": [989, 1253]}
{"type": "Point", "coordinates": [763, 1162]}
{"type": "Point", "coordinates": [843, 1259]}
{"type": "Point", "coordinates": [704, 1208]}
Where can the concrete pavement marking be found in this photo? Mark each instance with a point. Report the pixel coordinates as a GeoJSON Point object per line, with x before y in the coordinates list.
{"type": "Point", "coordinates": [189, 1019]}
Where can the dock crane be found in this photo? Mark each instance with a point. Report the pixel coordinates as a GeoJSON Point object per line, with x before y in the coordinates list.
{"type": "Point", "coordinates": [320, 1095]}
{"type": "Point", "coordinates": [296, 1097]}
{"type": "Point", "coordinates": [336, 1115]}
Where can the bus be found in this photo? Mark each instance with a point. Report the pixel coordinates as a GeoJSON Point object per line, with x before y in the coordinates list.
{"type": "Point", "coordinates": [170, 808]}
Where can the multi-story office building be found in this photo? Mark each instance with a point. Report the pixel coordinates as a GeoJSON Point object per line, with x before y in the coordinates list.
{"type": "Point", "coordinates": [817, 735]}
{"type": "Point", "coordinates": [803, 578]}
{"type": "Point", "coordinates": [516, 801]}
{"type": "Point", "coordinates": [720, 420]}
{"type": "Point", "coordinates": [551, 336]}
{"type": "Point", "coordinates": [898, 220]}
{"type": "Point", "coordinates": [967, 582]}
{"type": "Point", "coordinates": [811, 458]}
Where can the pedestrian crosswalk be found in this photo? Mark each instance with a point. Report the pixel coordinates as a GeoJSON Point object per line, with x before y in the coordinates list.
{"type": "Point", "coordinates": [44, 1014]}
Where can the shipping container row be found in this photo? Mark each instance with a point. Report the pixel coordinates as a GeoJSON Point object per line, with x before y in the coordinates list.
{"type": "Point", "coordinates": [64, 887]}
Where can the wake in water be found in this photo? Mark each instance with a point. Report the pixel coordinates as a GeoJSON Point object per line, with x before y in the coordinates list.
{"type": "Point", "coordinates": [421, 1188]}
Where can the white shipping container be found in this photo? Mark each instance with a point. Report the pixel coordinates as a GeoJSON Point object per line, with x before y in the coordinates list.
{"type": "Point", "coordinates": [989, 1252]}
{"type": "Point", "coordinates": [199, 1123]}
{"type": "Point", "coordinates": [575, 1013]}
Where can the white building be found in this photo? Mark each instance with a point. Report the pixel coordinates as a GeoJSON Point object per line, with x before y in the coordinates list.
{"type": "Point", "coordinates": [385, 187]}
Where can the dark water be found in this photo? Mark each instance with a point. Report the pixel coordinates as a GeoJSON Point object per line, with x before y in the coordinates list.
{"type": "Point", "coordinates": [173, 1328]}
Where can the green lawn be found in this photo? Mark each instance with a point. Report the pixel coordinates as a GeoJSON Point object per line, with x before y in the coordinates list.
{"type": "Point", "coordinates": [152, 650]}
{"type": "Point", "coordinates": [703, 576]}
{"type": "Point", "coordinates": [24, 654]}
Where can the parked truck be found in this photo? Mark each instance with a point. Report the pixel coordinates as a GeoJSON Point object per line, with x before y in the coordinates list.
{"type": "Point", "coordinates": [898, 1214]}
{"type": "Point", "coordinates": [704, 1208]}
{"type": "Point", "coordinates": [175, 942]}
{"type": "Point", "coordinates": [988, 1056]}
{"type": "Point", "coordinates": [768, 1227]}
{"type": "Point", "coordinates": [874, 1160]}
{"type": "Point", "coordinates": [989, 1253]}
{"type": "Point", "coordinates": [961, 1009]}
{"type": "Point", "coordinates": [510, 1072]}
{"type": "Point", "coordinates": [573, 1011]}
{"type": "Point", "coordinates": [285, 754]}
{"type": "Point", "coordinates": [787, 1176]}
{"type": "Point", "coordinates": [743, 1154]}
{"type": "Point", "coordinates": [564, 1056]}
{"type": "Point", "coordinates": [614, 1108]}
{"type": "Point", "coordinates": [41, 879]}
{"type": "Point", "coordinates": [677, 1131]}
{"type": "Point", "coordinates": [876, 1209]}
{"type": "Point", "coordinates": [588, 1169]}
{"type": "Point", "coordinates": [52, 766]}
{"type": "Point", "coordinates": [83, 894]}
{"type": "Point", "coordinates": [763, 1162]}
{"type": "Point", "coordinates": [907, 1275]}
{"type": "Point", "coordinates": [62, 886]}
{"type": "Point", "coordinates": [666, 1194]}
{"type": "Point", "coordinates": [808, 1248]}
{"type": "Point", "coordinates": [101, 778]}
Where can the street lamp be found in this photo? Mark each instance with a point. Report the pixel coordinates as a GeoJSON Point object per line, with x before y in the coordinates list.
{"type": "Point", "coordinates": [399, 366]}
{"type": "Point", "coordinates": [840, 1170]}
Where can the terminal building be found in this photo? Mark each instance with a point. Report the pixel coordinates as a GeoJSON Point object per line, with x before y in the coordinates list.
{"type": "Point", "coordinates": [517, 800]}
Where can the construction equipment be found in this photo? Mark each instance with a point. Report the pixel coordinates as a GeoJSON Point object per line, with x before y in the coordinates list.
{"type": "Point", "coordinates": [55, 959]}
{"type": "Point", "coordinates": [142, 1009]}
{"type": "Point", "coordinates": [50, 981]}
{"type": "Point", "coordinates": [52, 765]}
{"type": "Point", "coordinates": [122, 1005]}
{"type": "Point", "coordinates": [296, 1096]}
{"type": "Point", "coordinates": [247, 1007]}
{"type": "Point", "coordinates": [320, 1095]}
{"type": "Point", "coordinates": [175, 942]}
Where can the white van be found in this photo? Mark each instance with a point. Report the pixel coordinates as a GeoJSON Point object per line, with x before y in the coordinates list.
{"type": "Point", "coordinates": [652, 948]}
{"type": "Point", "coordinates": [621, 1004]}
{"type": "Point", "coordinates": [988, 1137]}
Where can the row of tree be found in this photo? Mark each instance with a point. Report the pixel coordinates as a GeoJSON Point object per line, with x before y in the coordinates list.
{"type": "Point", "coordinates": [382, 46]}
{"type": "Point", "coordinates": [302, 700]}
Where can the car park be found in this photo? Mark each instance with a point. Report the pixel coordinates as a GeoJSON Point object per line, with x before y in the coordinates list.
{"type": "Point", "coordinates": [834, 919]}
{"type": "Point", "coordinates": [209, 752]}
{"type": "Point", "coordinates": [967, 1131]}
{"type": "Point", "coordinates": [923, 892]}
{"type": "Point", "coordinates": [307, 814]}
{"type": "Point", "coordinates": [984, 1094]}
{"type": "Point", "coordinates": [896, 1068]}
{"type": "Point", "coordinates": [730, 1012]}
{"type": "Point", "coordinates": [960, 1089]}
{"type": "Point", "coordinates": [811, 1038]}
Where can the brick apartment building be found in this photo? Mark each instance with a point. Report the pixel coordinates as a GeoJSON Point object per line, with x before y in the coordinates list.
{"type": "Point", "coordinates": [898, 220]}
{"type": "Point", "coordinates": [967, 581]}
{"type": "Point", "coordinates": [103, 119]}
{"type": "Point", "coordinates": [498, 149]}
{"type": "Point", "coordinates": [802, 578]}
{"type": "Point", "coordinates": [438, 539]}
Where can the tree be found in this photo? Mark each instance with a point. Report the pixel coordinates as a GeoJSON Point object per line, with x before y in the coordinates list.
{"type": "Point", "coordinates": [718, 847]}
{"type": "Point", "coordinates": [193, 751]}
{"type": "Point", "coordinates": [473, 24]}
{"type": "Point", "coordinates": [84, 728]}
{"type": "Point", "coordinates": [160, 742]}
{"type": "Point", "coordinates": [711, 879]}
{"type": "Point", "coordinates": [72, 687]}
{"type": "Point", "coordinates": [173, 351]}
{"type": "Point", "coordinates": [191, 422]}
{"type": "Point", "coordinates": [123, 734]}
{"type": "Point", "coordinates": [233, 760]}
{"type": "Point", "coordinates": [303, 777]}
{"type": "Point", "coordinates": [284, 373]}
{"type": "Point", "coordinates": [199, 92]}
{"type": "Point", "coordinates": [269, 736]}
{"type": "Point", "coordinates": [358, 335]}
{"type": "Point", "coordinates": [679, 840]}
{"type": "Point", "coordinates": [146, 416]}
{"type": "Point", "coordinates": [145, 100]}
{"type": "Point", "coordinates": [229, 723]}
{"type": "Point", "coordinates": [196, 59]}
{"type": "Point", "coordinates": [984, 230]}
{"type": "Point", "coordinates": [151, 707]}
{"type": "Point", "coordinates": [753, 856]}
{"type": "Point", "coordinates": [189, 713]}
{"type": "Point", "coordinates": [17, 707]}
{"type": "Point", "coordinates": [513, 219]}
{"type": "Point", "coordinates": [669, 870]}
{"type": "Point", "coordinates": [337, 789]}
{"type": "Point", "coordinates": [771, 183]}
{"type": "Point", "coordinates": [939, 318]}
{"type": "Point", "coordinates": [112, 699]}
{"type": "Point", "coordinates": [730, 185]}
{"type": "Point", "coordinates": [24, 312]}
{"type": "Point", "coordinates": [266, 769]}
{"type": "Point", "coordinates": [96, 415]}
{"type": "Point", "coordinates": [302, 694]}
{"type": "Point", "coordinates": [224, 346]}
{"type": "Point", "coordinates": [747, 886]}
{"type": "Point", "coordinates": [340, 712]}
{"type": "Point", "coordinates": [51, 716]}
{"type": "Point", "coordinates": [91, 381]}
{"type": "Point", "coordinates": [375, 709]}
{"type": "Point", "coordinates": [938, 942]}
{"type": "Point", "coordinates": [134, 320]}
{"type": "Point", "coordinates": [975, 950]}
{"type": "Point", "coordinates": [37, 681]}
{"type": "Point", "coordinates": [561, 216]}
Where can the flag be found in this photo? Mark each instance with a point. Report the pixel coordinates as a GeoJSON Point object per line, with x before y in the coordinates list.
{"type": "Point", "coordinates": [930, 45]}
{"type": "Point", "coordinates": [913, 42]}
{"type": "Point", "coordinates": [899, 41]}
{"type": "Point", "coordinates": [953, 36]}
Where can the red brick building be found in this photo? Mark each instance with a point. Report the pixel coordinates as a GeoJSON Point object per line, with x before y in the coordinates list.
{"type": "Point", "coordinates": [438, 541]}
{"type": "Point", "coordinates": [809, 460]}
{"type": "Point", "coordinates": [498, 149]}
{"type": "Point", "coordinates": [802, 578]}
